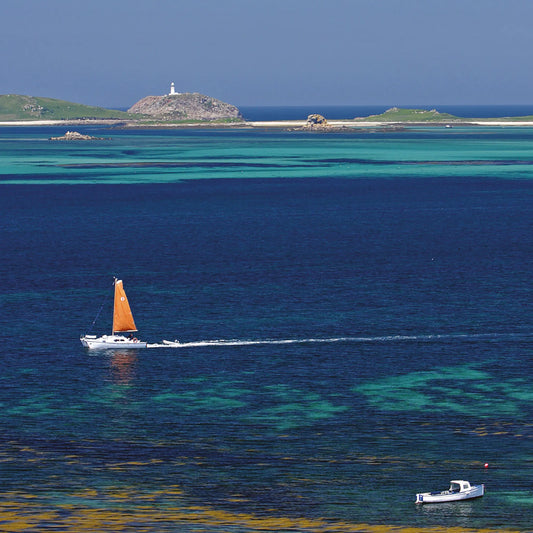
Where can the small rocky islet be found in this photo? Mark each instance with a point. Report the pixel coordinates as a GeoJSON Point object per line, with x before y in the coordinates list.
{"type": "Point", "coordinates": [76, 136]}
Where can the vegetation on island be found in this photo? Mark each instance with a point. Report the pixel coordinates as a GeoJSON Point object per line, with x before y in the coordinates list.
{"type": "Point", "coordinates": [18, 107]}
{"type": "Point", "coordinates": [399, 115]}
{"type": "Point", "coordinates": [396, 114]}
{"type": "Point", "coordinates": [153, 122]}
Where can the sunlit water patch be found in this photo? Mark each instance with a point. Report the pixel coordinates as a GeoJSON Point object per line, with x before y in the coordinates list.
{"type": "Point", "coordinates": [465, 390]}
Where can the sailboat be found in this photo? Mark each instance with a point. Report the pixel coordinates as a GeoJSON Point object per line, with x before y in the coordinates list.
{"type": "Point", "coordinates": [122, 323]}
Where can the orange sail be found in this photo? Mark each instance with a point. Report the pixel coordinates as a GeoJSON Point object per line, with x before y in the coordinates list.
{"type": "Point", "coordinates": [122, 317]}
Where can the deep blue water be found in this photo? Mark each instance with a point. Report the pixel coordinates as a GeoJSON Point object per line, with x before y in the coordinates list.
{"type": "Point", "coordinates": [356, 309]}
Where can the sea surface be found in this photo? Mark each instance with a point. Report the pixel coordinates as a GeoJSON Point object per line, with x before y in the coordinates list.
{"type": "Point", "coordinates": [355, 313]}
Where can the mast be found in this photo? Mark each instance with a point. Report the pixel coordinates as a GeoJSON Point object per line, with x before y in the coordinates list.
{"type": "Point", "coordinates": [114, 305]}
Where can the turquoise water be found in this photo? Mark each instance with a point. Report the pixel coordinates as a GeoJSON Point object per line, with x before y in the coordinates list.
{"type": "Point", "coordinates": [169, 156]}
{"type": "Point", "coordinates": [356, 325]}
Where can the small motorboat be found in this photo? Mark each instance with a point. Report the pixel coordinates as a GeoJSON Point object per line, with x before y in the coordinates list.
{"type": "Point", "coordinates": [459, 490]}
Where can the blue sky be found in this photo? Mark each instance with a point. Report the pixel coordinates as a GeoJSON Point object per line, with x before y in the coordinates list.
{"type": "Point", "coordinates": [271, 52]}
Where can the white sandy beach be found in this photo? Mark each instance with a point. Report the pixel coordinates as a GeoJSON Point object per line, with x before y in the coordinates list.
{"type": "Point", "coordinates": [33, 123]}
{"type": "Point", "coordinates": [289, 124]}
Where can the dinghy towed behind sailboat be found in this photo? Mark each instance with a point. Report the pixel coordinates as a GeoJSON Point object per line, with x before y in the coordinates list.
{"type": "Point", "coordinates": [122, 323]}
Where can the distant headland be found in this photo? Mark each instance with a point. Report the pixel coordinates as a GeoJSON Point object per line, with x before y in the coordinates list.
{"type": "Point", "coordinates": [172, 108]}
{"type": "Point", "coordinates": [175, 109]}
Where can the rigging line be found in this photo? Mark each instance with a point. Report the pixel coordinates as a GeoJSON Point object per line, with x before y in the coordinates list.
{"type": "Point", "coordinates": [96, 318]}
{"type": "Point", "coordinates": [97, 315]}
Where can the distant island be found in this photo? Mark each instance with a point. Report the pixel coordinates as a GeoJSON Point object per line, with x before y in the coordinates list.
{"type": "Point", "coordinates": [185, 106]}
{"type": "Point", "coordinates": [172, 108]}
{"type": "Point", "coordinates": [393, 118]}
{"type": "Point", "coordinates": [194, 109]}
{"type": "Point", "coordinates": [396, 114]}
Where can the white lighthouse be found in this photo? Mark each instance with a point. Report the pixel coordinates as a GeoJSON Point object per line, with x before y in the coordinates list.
{"type": "Point", "coordinates": [172, 90]}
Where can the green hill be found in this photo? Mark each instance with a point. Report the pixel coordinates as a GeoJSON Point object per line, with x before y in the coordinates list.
{"type": "Point", "coordinates": [396, 114]}
{"type": "Point", "coordinates": [18, 107]}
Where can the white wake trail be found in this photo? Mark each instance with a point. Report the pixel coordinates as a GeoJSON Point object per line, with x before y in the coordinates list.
{"type": "Point", "coordinates": [385, 338]}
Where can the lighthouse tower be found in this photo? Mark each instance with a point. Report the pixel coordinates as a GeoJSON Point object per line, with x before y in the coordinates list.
{"type": "Point", "coordinates": [172, 90]}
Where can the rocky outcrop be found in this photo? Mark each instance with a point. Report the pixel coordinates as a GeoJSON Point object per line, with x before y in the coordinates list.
{"type": "Point", "coordinates": [76, 136]}
{"type": "Point", "coordinates": [185, 106]}
{"type": "Point", "coordinates": [313, 120]}
{"type": "Point", "coordinates": [316, 122]}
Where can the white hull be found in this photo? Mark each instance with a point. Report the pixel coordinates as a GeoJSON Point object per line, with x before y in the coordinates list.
{"type": "Point", "coordinates": [111, 342]}
{"type": "Point", "coordinates": [474, 491]}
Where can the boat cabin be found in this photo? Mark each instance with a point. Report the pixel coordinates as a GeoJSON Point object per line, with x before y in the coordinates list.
{"type": "Point", "coordinates": [459, 485]}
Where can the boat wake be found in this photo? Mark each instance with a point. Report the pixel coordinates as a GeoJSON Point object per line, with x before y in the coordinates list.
{"type": "Point", "coordinates": [386, 338]}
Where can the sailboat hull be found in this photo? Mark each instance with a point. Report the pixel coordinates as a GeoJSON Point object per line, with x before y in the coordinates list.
{"type": "Point", "coordinates": [111, 342]}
